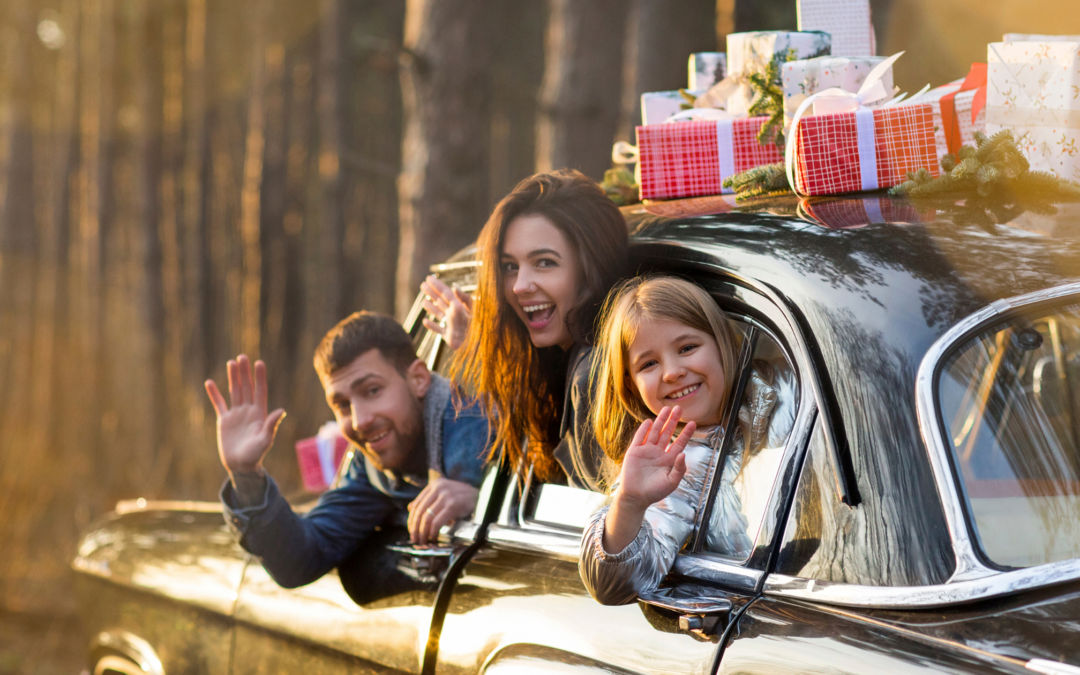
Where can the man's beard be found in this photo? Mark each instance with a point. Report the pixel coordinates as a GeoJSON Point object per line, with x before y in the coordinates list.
{"type": "Point", "coordinates": [411, 446]}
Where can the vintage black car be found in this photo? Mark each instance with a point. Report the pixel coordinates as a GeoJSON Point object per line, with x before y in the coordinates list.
{"type": "Point", "coordinates": [916, 507]}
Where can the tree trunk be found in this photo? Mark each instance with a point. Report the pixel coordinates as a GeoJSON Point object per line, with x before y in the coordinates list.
{"type": "Point", "coordinates": [443, 188]}
{"type": "Point", "coordinates": [658, 44]}
{"type": "Point", "coordinates": [328, 107]}
{"type": "Point", "coordinates": [371, 156]}
{"type": "Point", "coordinates": [517, 72]}
{"type": "Point", "coordinates": [580, 101]}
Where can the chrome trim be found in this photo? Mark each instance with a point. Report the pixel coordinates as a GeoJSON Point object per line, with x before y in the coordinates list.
{"type": "Point", "coordinates": [968, 564]}
{"type": "Point", "coordinates": [133, 647]}
{"type": "Point", "coordinates": [938, 595]}
{"type": "Point", "coordinates": [1051, 667]}
{"type": "Point", "coordinates": [972, 580]}
{"type": "Point", "coordinates": [709, 568]}
{"type": "Point", "coordinates": [558, 544]}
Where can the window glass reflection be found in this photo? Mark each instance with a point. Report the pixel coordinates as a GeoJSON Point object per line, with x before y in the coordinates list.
{"type": "Point", "coordinates": [1010, 403]}
{"type": "Point", "coordinates": [752, 464]}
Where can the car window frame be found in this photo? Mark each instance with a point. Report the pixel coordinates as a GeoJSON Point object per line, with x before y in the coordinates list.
{"type": "Point", "coordinates": [515, 530]}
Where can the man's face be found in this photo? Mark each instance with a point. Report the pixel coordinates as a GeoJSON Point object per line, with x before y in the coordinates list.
{"type": "Point", "coordinates": [380, 410]}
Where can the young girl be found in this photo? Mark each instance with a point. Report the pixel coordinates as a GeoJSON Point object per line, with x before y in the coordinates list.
{"type": "Point", "coordinates": [666, 349]}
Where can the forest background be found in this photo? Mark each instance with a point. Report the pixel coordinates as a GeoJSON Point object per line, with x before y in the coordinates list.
{"type": "Point", "coordinates": [185, 180]}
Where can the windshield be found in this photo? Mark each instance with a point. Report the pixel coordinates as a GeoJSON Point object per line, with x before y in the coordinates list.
{"type": "Point", "coordinates": [1010, 402]}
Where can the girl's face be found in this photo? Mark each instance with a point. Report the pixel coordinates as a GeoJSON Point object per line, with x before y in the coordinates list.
{"type": "Point", "coordinates": [541, 278]}
{"type": "Point", "coordinates": [672, 364]}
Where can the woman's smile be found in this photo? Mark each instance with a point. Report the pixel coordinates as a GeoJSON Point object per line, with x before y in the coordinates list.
{"type": "Point", "coordinates": [541, 278]}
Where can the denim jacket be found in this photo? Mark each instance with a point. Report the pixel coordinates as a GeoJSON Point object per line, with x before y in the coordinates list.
{"type": "Point", "coordinates": [298, 549]}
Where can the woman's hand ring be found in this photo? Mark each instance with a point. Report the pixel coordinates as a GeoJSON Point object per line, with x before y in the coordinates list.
{"type": "Point", "coordinates": [430, 512]}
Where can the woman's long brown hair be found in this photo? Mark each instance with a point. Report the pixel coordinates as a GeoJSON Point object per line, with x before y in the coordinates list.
{"type": "Point", "coordinates": [522, 386]}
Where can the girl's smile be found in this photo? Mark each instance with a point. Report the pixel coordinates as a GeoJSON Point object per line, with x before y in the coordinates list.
{"type": "Point", "coordinates": [671, 363]}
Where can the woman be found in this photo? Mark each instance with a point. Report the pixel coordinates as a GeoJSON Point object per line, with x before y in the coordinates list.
{"type": "Point", "coordinates": [549, 253]}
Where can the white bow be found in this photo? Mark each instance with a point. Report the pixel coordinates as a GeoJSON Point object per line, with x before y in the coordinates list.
{"type": "Point", "coordinates": [836, 100]}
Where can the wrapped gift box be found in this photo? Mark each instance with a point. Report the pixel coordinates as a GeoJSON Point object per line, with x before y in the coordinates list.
{"type": "Point", "coordinates": [1029, 37]}
{"type": "Point", "coordinates": [809, 76]}
{"type": "Point", "coordinates": [1033, 90]}
{"type": "Point", "coordinates": [706, 69]}
{"type": "Point", "coordinates": [847, 21]}
{"type": "Point", "coordinates": [690, 159]}
{"type": "Point", "coordinates": [657, 106]}
{"type": "Point", "coordinates": [953, 103]}
{"type": "Point", "coordinates": [865, 150]}
{"type": "Point", "coordinates": [320, 456]}
{"type": "Point", "coordinates": [752, 52]}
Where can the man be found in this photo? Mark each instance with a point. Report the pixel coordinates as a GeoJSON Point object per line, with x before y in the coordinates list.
{"type": "Point", "coordinates": [420, 461]}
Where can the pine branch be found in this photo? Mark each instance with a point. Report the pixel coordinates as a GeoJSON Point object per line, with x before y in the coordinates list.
{"type": "Point", "coordinates": [760, 181]}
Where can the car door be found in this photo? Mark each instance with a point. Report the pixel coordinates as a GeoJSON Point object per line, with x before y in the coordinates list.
{"type": "Point", "coordinates": [373, 613]}
{"type": "Point", "coordinates": [520, 603]}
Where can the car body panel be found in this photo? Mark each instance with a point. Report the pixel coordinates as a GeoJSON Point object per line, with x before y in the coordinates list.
{"type": "Point", "coordinates": [858, 306]}
{"type": "Point", "coordinates": [169, 578]}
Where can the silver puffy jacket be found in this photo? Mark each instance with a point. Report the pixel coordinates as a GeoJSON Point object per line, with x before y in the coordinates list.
{"type": "Point", "coordinates": [617, 579]}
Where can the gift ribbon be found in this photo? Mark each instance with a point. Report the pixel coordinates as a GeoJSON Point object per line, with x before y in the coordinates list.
{"type": "Point", "coordinates": [975, 80]}
{"type": "Point", "coordinates": [836, 100]}
{"type": "Point", "coordinates": [725, 149]}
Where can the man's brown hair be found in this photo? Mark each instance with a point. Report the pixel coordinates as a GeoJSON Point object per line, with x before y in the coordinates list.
{"type": "Point", "coordinates": [359, 333]}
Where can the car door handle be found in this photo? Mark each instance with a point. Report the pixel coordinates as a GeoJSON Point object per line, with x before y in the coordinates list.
{"type": "Point", "coordinates": [702, 610]}
{"type": "Point", "coordinates": [426, 561]}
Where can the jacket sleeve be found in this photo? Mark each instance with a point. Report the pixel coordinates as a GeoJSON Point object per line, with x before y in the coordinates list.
{"type": "Point", "coordinates": [296, 550]}
{"type": "Point", "coordinates": [617, 579]}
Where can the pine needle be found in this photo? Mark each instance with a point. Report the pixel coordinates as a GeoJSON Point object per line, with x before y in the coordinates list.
{"type": "Point", "coordinates": [760, 181]}
{"type": "Point", "coordinates": [619, 186]}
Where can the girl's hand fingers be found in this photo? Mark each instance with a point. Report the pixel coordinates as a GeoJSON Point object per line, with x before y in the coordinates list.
{"type": "Point", "coordinates": [642, 433]}
{"type": "Point", "coordinates": [670, 425]}
{"type": "Point", "coordinates": [679, 444]}
{"type": "Point", "coordinates": [658, 425]}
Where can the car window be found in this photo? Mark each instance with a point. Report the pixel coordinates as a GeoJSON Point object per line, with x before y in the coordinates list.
{"type": "Point", "coordinates": [753, 457]}
{"type": "Point", "coordinates": [1009, 399]}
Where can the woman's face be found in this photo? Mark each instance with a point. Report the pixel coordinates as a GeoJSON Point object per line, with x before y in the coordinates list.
{"type": "Point", "coordinates": [541, 277]}
{"type": "Point", "coordinates": [672, 364]}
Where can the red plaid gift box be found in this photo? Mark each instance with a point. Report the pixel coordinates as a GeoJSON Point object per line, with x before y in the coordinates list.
{"type": "Point", "coordinates": [690, 159]}
{"type": "Point", "coordinates": [895, 140]}
{"type": "Point", "coordinates": [320, 456]}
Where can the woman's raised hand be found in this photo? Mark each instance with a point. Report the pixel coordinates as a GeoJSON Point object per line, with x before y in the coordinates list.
{"type": "Point", "coordinates": [654, 463]}
{"type": "Point", "coordinates": [451, 306]}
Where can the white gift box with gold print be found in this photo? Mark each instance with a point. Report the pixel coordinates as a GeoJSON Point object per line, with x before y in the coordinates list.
{"type": "Point", "coordinates": [1034, 90]}
{"type": "Point", "coordinates": [809, 76]}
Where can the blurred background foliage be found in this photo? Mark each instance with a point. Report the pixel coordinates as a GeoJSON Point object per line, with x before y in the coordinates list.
{"type": "Point", "coordinates": [183, 180]}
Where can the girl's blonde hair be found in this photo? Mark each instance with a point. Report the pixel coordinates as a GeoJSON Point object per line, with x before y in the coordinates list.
{"type": "Point", "coordinates": [618, 407]}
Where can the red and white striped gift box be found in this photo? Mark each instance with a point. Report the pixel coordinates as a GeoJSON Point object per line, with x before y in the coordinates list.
{"type": "Point", "coordinates": [828, 158]}
{"type": "Point", "coordinates": [691, 159]}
